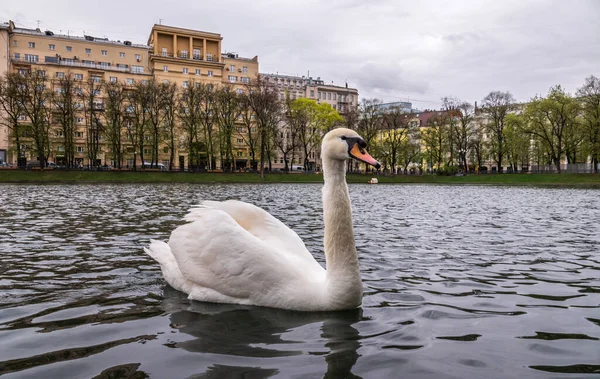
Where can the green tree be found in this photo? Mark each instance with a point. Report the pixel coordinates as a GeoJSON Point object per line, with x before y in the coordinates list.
{"type": "Point", "coordinates": [589, 97]}
{"type": "Point", "coordinates": [369, 121]}
{"type": "Point", "coordinates": [311, 120]}
{"type": "Point", "coordinates": [517, 142]}
{"type": "Point", "coordinates": [550, 119]}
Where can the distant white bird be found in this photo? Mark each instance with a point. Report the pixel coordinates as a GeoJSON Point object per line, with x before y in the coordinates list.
{"type": "Point", "coordinates": [235, 252]}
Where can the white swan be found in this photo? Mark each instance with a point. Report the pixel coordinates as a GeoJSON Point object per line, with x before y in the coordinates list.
{"type": "Point", "coordinates": [234, 252]}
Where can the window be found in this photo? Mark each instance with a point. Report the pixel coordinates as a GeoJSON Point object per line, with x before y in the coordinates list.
{"type": "Point", "coordinates": [96, 79]}
{"type": "Point", "coordinates": [137, 69]}
{"type": "Point", "coordinates": [184, 84]}
{"type": "Point", "coordinates": [232, 68]}
{"type": "Point", "coordinates": [104, 64]}
{"type": "Point", "coordinates": [166, 68]}
{"type": "Point", "coordinates": [185, 70]}
{"type": "Point", "coordinates": [79, 134]}
{"type": "Point", "coordinates": [239, 91]}
{"type": "Point", "coordinates": [334, 108]}
{"type": "Point", "coordinates": [245, 69]}
{"type": "Point", "coordinates": [14, 43]}
{"type": "Point", "coordinates": [312, 93]}
{"type": "Point", "coordinates": [240, 140]}
{"type": "Point", "coordinates": [60, 75]}
{"type": "Point", "coordinates": [138, 57]}
{"type": "Point", "coordinates": [129, 81]}
{"type": "Point", "coordinates": [245, 80]}
{"type": "Point", "coordinates": [79, 120]}
{"type": "Point", "coordinates": [88, 51]}
{"type": "Point", "coordinates": [121, 55]}
{"type": "Point", "coordinates": [183, 54]}
{"type": "Point", "coordinates": [96, 92]}
{"type": "Point", "coordinates": [164, 52]}
{"type": "Point", "coordinates": [113, 79]}
{"type": "Point", "coordinates": [52, 47]}
{"type": "Point", "coordinates": [69, 48]}
{"type": "Point", "coordinates": [232, 78]}
{"type": "Point", "coordinates": [31, 44]}
{"type": "Point", "coordinates": [197, 54]}
{"type": "Point", "coordinates": [22, 118]}
{"type": "Point", "coordinates": [78, 76]}
{"type": "Point", "coordinates": [335, 96]}
{"type": "Point", "coordinates": [61, 148]}
{"type": "Point", "coordinates": [104, 52]}
{"type": "Point", "coordinates": [197, 71]}
{"type": "Point", "coordinates": [32, 58]}
{"type": "Point", "coordinates": [80, 149]}
{"type": "Point", "coordinates": [209, 57]}
{"type": "Point", "coordinates": [210, 73]}
{"type": "Point", "coordinates": [17, 56]}
{"type": "Point", "coordinates": [121, 65]}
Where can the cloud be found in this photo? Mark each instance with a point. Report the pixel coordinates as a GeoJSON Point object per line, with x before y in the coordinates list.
{"type": "Point", "coordinates": [394, 50]}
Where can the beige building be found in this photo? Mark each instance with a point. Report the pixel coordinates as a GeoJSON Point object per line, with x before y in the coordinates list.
{"type": "Point", "coordinates": [171, 54]}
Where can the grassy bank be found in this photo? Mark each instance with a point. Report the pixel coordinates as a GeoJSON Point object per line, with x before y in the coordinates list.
{"type": "Point", "coordinates": [54, 176]}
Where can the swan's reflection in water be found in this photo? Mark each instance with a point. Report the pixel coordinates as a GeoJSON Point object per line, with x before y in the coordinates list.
{"type": "Point", "coordinates": [247, 331]}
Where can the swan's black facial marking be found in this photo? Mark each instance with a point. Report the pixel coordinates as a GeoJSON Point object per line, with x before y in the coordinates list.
{"type": "Point", "coordinates": [351, 141]}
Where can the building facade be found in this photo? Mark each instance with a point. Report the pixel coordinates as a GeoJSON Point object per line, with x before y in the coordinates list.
{"type": "Point", "coordinates": [175, 55]}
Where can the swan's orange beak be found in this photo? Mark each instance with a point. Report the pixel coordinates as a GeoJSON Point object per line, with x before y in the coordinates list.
{"type": "Point", "coordinates": [361, 154]}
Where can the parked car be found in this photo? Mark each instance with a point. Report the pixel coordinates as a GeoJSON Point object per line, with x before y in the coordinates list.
{"type": "Point", "coordinates": [159, 166]}
{"type": "Point", "coordinates": [36, 164]}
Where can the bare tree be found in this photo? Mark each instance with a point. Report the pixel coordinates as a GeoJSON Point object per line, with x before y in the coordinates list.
{"type": "Point", "coordinates": [395, 127]}
{"type": "Point", "coordinates": [170, 94]}
{"type": "Point", "coordinates": [138, 113]}
{"type": "Point", "coordinates": [248, 132]}
{"type": "Point", "coordinates": [228, 109]}
{"type": "Point", "coordinates": [35, 96]}
{"type": "Point", "coordinates": [93, 110]}
{"type": "Point", "coordinates": [497, 105]}
{"type": "Point", "coordinates": [263, 99]}
{"type": "Point", "coordinates": [64, 101]}
{"type": "Point", "coordinates": [12, 107]}
{"type": "Point", "coordinates": [464, 114]}
{"type": "Point", "coordinates": [369, 121]}
{"type": "Point", "coordinates": [115, 117]}
{"type": "Point", "coordinates": [189, 111]}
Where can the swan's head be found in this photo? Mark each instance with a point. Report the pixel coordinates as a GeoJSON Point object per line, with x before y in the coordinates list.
{"type": "Point", "coordinates": [341, 144]}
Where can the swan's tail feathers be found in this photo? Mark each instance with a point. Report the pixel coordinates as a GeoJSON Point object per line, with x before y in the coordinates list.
{"type": "Point", "coordinates": [161, 252]}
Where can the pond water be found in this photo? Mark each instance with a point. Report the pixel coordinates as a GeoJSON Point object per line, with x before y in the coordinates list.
{"type": "Point", "coordinates": [460, 282]}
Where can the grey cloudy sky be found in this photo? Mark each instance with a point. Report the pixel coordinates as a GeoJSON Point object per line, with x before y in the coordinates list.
{"type": "Point", "coordinates": [392, 50]}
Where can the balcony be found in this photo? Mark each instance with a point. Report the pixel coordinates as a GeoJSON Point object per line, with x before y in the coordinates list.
{"type": "Point", "coordinates": [73, 63]}
{"type": "Point", "coordinates": [189, 57]}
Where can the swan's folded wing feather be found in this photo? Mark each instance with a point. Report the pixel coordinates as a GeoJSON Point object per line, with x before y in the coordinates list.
{"type": "Point", "coordinates": [215, 252]}
{"type": "Point", "coordinates": [262, 225]}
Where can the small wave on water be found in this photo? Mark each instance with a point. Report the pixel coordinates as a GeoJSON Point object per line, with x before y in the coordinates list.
{"type": "Point", "coordinates": [459, 282]}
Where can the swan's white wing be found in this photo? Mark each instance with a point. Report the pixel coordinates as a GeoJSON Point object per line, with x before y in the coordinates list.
{"type": "Point", "coordinates": [261, 224]}
{"type": "Point", "coordinates": [215, 252]}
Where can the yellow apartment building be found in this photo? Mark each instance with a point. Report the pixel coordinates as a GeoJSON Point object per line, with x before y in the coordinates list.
{"type": "Point", "coordinates": [171, 54]}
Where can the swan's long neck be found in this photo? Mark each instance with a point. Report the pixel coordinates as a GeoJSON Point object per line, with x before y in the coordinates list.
{"type": "Point", "coordinates": [340, 250]}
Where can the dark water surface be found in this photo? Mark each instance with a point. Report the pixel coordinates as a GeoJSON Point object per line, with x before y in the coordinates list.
{"type": "Point", "coordinates": [460, 282]}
